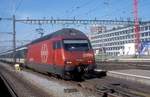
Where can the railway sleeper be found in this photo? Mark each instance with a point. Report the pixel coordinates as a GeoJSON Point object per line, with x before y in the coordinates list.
{"type": "Point", "coordinates": [116, 90]}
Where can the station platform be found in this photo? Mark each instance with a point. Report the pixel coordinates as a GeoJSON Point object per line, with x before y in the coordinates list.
{"type": "Point", "coordinates": [136, 75]}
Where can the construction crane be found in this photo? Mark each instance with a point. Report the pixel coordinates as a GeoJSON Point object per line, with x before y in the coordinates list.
{"type": "Point", "coordinates": [136, 26]}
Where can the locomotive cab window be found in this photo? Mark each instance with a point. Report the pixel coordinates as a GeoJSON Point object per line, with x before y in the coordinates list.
{"type": "Point", "coordinates": [76, 45]}
{"type": "Point", "coordinates": [57, 45]}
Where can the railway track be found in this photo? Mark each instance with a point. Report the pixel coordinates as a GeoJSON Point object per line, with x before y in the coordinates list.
{"type": "Point", "coordinates": [19, 86]}
{"type": "Point", "coordinates": [102, 86]}
{"type": "Point", "coordinates": [105, 86]}
{"type": "Point", "coordinates": [110, 89]}
{"type": "Point", "coordinates": [123, 65]}
{"type": "Point", "coordinates": [11, 90]}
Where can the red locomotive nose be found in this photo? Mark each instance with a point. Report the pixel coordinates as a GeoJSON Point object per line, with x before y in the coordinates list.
{"type": "Point", "coordinates": [78, 58]}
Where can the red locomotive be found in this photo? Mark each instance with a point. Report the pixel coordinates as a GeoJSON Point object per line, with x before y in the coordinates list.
{"type": "Point", "coordinates": [67, 53]}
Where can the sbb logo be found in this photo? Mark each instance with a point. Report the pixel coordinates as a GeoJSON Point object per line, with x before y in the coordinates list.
{"type": "Point", "coordinates": [44, 53]}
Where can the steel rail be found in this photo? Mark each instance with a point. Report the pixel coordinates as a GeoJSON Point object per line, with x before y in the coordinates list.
{"type": "Point", "coordinates": [11, 90]}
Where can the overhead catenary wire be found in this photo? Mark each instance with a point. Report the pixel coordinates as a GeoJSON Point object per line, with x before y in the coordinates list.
{"type": "Point", "coordinates": [18, 6]}
{"type": "Point", "coordinates": [91, 10]}
{"type": "Point", "coordinates": [78, 7]}
{"type": "Point", "coordinates": [94, 8]}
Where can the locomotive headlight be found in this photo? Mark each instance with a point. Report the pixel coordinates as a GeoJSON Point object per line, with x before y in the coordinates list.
{"type": "Point", "coordinates": [90, 61]}
{"type": "Point", "coordinates": [68, 62]}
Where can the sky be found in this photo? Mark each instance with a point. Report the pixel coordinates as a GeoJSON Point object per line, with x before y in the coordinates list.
{"type": "Point", "coordinates": [63, 9]}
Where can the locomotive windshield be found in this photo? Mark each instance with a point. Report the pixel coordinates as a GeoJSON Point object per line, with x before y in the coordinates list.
{"type": "Point", "coordinates": [76, 45]}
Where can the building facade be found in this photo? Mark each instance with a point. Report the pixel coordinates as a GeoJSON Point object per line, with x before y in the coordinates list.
{"type": "Point", "coordinates": [113, 41]}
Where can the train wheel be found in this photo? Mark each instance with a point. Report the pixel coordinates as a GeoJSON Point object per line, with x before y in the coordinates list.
{"type": "Point", "coordinates": [66, 76]}
{"type": "Point", "coordinates": [78, 76]}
